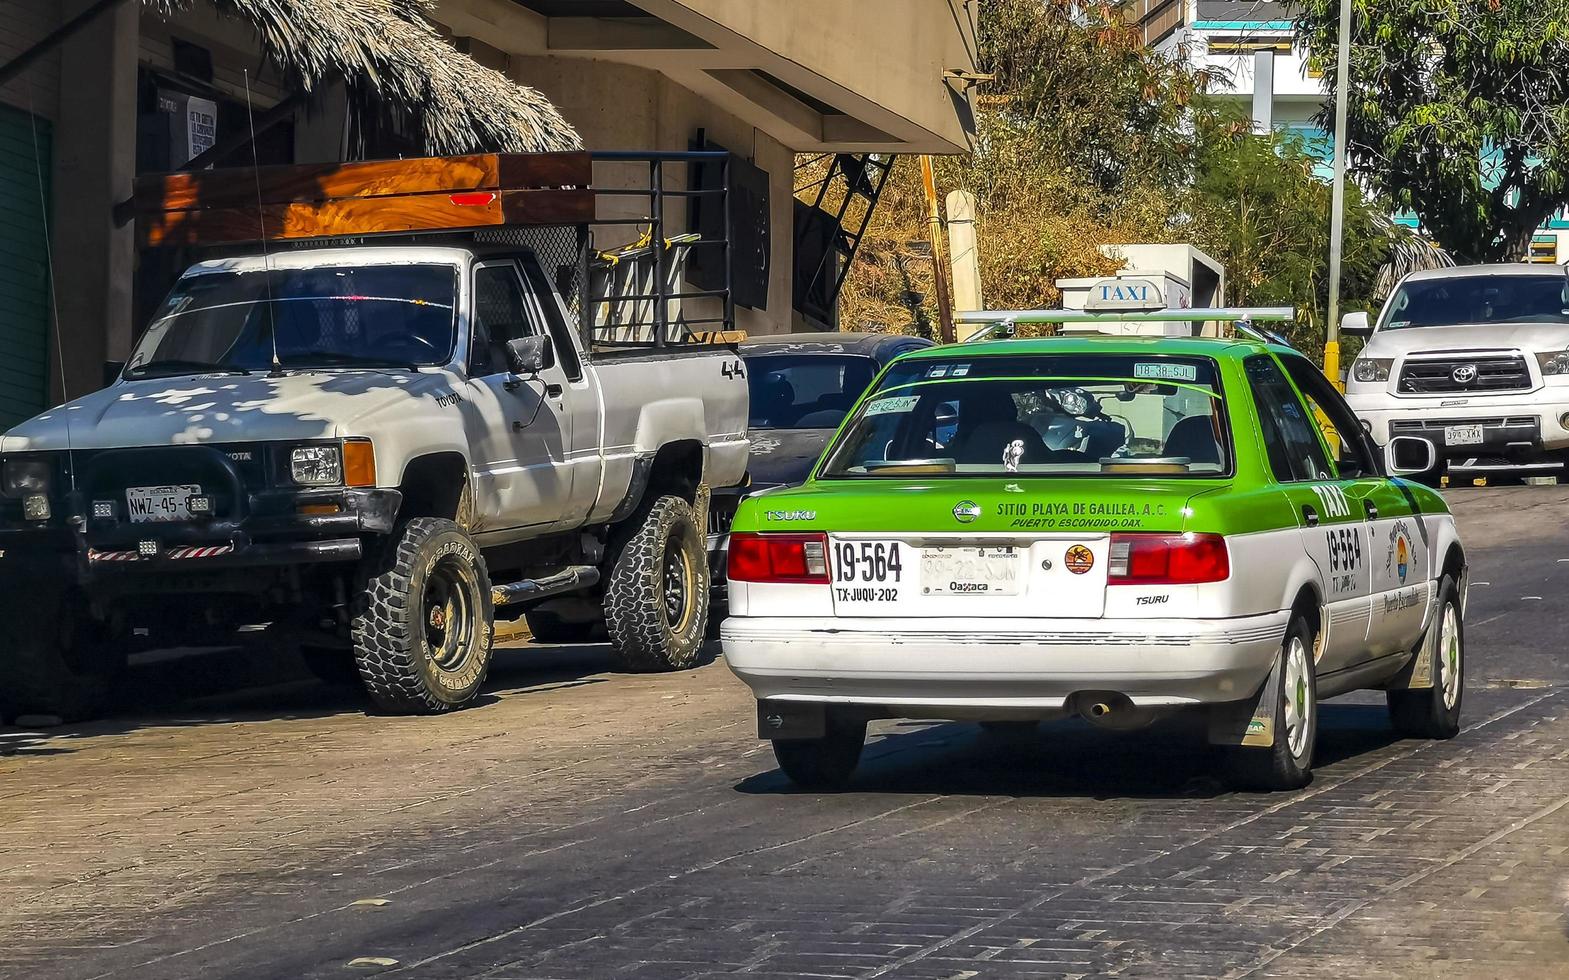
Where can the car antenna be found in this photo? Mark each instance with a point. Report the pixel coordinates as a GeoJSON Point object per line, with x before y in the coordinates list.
{"type": "Point", "coordinates": [54, 294]}
{"type": "Point", "coordinates": [261, 218]}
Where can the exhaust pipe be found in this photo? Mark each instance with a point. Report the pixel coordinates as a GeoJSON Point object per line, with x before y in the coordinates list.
{"type": "Point", "coordinates": [1108, 709]}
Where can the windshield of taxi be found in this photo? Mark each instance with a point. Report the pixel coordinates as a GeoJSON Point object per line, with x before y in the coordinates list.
{"type": "Point", "coordinates": [1067, 415]}
{"type": "Point", "coordinates": [1469, 300]}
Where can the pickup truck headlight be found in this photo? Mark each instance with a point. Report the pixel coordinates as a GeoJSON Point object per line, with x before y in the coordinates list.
{"type": "Point", "coordinates": [1371, 368]}
{"type": "Point", "coordinates": [316, 466]}
{"type": "Point", "coordinates": [27, 477]}
{"type": "Point", "coordinates": [1553, 362]}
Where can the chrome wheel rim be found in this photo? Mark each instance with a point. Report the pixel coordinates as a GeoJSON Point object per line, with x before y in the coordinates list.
{"type": "Point", "coordinates": [1298, 702]}
{"type": "Point", "coordinates": [447, 609]}
{"type": "Point", "coordinates": [1449, 656]}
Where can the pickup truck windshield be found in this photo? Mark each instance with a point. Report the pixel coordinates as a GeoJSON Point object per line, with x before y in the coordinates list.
{"type": "Point", "coordinates": [1456, 300]}
{"type": "Point", "coordinates": [331, 316]}
{"type": "Point", "coordinates": [1069, 415]}
{"type": "Point", "coordinates": [805, 391]}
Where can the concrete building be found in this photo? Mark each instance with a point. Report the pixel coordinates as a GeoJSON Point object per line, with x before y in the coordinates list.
{"type": "Point", "coordinates": [1248, 47]}
{"type": "Point", "coordinates": [132, 93]}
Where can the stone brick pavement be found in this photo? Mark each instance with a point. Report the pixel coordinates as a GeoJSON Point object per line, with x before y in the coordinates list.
{"type": "Point", "coordinates": [588, 824]}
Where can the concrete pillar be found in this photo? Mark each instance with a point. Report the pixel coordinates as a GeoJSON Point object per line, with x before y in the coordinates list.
{"type": "Point", "coordinates": [964, 257]}
{"type": "Point", "coordinates": [95, 146]}
{"type": "Point", "coordinates": [1263, 90]}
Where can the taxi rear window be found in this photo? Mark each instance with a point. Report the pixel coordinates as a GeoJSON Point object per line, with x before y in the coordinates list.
{"type": "Point", "coordinates": [1045, 415]}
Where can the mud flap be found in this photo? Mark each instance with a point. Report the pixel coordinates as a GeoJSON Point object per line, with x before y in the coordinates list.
{"type": "Point", "coordinates": [1418, 673]}
{"type": "Point", "coordinates": [1250, 722]}
{"type": "Point", "coordinates": [791, 719]}
{"type": "Point", "coordinates": [701, 501]}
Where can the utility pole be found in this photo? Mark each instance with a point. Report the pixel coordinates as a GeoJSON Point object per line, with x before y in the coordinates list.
{"type": "Point", "coordinates": [934, 235]}
{"type": "Point", "coordinates": [963, 258]}
{"type": "Point", "coordinates": [1338, 197]}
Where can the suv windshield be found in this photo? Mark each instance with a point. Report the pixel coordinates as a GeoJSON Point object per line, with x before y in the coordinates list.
{"type": "Point", "coordinates": [333, 316]}
{"type": "Point", "coordinates": [805, 391]}
{"type": "Point", "coordinates": [1065, 415]}
{"type": "Point", "coordinates": [1479, 299]}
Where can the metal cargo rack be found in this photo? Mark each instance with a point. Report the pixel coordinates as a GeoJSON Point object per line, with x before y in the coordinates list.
{"type": "Point", "coordinates": [1003, 324]}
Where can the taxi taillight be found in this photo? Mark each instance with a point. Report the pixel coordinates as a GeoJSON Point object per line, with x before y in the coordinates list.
{"type": "Point", "coordinates": [1167, 559]}
{"type": "Point", "coordinates": [798, 558]}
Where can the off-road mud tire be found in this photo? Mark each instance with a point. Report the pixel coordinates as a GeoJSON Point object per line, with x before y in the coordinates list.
{"type": "Point", "coordinates": [1426, 712]}
{"type": "Point", "coordinates": [397, 640]}
{"type": "Point", "coordinates": [56, 659]}
{"type": "Point", "coordinates": [1280, 766]}
{"type": "Point", "coordinates": [645, 635]}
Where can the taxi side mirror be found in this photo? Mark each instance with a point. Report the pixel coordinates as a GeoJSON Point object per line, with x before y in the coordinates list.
{"type": "Point", "coordinates": [1410, 456]}
{"type": "Point", "coordinates": [1355, 324]}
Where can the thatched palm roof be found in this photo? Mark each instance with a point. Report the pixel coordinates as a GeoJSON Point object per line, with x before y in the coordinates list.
{"type": "Point", "coordinates": [388, 48]}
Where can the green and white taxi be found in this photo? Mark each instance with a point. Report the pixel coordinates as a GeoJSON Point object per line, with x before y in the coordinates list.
{"type": "Point", "coordinates": [1112, 527]}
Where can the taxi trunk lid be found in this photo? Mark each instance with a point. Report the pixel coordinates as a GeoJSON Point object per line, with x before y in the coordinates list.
{"type": "Point", "coordinates": [1014, 548]}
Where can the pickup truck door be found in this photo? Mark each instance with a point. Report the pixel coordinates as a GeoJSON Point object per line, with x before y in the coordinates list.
{"type": "Point", "coordinates": [520, 430]}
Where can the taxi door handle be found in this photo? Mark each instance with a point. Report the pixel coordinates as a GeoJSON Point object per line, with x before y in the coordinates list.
{"type": "Point", "coordinates": [1371, 508]}
{"type": "Point", "coordinates": [1310, 515]}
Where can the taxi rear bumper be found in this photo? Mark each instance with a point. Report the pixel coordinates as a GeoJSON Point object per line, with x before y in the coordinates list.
{"type": "Point", "coordinates": [974, 666]}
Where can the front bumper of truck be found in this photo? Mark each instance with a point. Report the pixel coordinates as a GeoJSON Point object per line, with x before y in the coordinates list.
{"type": "Point", "coordinates": [275, 528]}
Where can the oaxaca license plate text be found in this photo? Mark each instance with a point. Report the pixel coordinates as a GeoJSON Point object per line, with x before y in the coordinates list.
{"type": "Point", "coordinates": [970, 571]}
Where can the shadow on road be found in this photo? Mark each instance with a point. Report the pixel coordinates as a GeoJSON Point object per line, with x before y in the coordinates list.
{"type": "Point", "coordinates": [267, 681]}
{"type": "Point", "coordinates": [1071, 758]}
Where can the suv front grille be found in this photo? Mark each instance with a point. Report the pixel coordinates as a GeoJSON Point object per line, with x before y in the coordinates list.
{"type": "Point", "coordinates": [1486, 373]}
{"type": "Point", "coordinates": [1399, 426]}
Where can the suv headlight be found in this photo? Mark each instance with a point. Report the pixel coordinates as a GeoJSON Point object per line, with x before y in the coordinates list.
{"type": "Point", "coordinates": [1371, 368]}
{"type": "Point", "coordinates": [1553, 362]}
{"type": "Point", "coordinates": [25, 477]}
{"type": "Point", "coordinates": [316, 466]}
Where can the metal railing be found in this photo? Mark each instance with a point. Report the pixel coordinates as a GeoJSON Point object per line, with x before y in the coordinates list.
{"type": "Point", "coordinates": [650, 284]}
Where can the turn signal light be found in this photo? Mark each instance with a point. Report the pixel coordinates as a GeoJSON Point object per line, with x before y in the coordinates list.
{"type": "Point", "coordinates": [1167, 559]}
{"type": "Point", "coordinates": [798, 558]}
{"type": "Point", "coordinates": [359, 463]}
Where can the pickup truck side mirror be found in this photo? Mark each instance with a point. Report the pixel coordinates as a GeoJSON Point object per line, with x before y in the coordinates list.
{"type": "Point", "coordinates": [112, 371]}
{"type": "Point", "coordinates": [528, 356]}
{"type": "Point", "coordinates": [1410, 456]}
{"type": "Point", "coordinates": [1356, 324]}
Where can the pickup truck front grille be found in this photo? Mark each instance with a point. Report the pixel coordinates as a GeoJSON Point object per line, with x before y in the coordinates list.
{"type": "Point", "coordinates": [1484, 373]}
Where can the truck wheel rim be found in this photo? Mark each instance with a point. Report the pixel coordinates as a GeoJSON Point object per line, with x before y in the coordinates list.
{"type": "Point", "coordinates": [1449, 656]}
{"type": "Point", "coordinates": [448, 609]}
{"type": "Point", "coordinates": [678, 586]}
{"type": "Point", "coordinates": [1298, 703]}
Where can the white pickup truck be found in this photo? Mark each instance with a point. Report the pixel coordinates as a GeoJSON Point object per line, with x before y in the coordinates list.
{"type": "Point", "coordinates": [1474, 359]}
{"type": "Point", "coordinates": [372, 448]}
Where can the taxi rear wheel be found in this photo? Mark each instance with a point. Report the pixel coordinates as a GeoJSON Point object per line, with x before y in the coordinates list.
{"type": "Point", "coordinates": [1287, 763]}
{"type": "Point", "coordinates": [1434, 712]}
{"type": "Point", "coordinates": [823, 763]}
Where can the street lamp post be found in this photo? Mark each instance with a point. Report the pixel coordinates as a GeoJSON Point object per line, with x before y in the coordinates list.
{"type": "Point", "coordinates": [1338, 196]}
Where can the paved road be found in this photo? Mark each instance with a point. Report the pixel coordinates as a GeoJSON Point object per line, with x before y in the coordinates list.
{"type": "Point", "coordinates": [586, 824]}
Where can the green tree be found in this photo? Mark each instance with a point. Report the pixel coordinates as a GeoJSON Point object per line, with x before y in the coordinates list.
{"type": "Point", "coordinates": [1459, 112]}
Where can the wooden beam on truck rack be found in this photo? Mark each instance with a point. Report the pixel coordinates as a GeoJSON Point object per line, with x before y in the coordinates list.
{"type": "Point", "coordinates": [380, 197]}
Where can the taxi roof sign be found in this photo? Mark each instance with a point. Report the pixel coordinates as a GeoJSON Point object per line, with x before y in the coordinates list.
{"type": "Point", "coordinates": [1125, 295]}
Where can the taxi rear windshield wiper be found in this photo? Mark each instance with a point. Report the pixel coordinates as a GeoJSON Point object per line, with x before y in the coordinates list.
{"type": "Point", "coordinates": [178, 365]}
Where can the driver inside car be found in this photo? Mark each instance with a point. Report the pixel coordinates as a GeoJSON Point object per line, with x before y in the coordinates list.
{"type": "Point", "coordinates": [989, 428]}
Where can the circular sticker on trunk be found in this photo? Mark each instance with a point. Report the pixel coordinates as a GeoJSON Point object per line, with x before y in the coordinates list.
{"type": "Point", "coordinates": [1079, 559]}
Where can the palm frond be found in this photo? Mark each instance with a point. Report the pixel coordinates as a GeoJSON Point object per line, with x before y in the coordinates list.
{"type": "Point", "coordinates": [388, 48]}
{"type": "Point", "coordinates": [1410, 250]}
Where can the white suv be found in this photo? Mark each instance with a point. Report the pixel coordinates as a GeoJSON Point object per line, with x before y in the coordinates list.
{"type": "Point", "coordinates": [1474, 358]}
